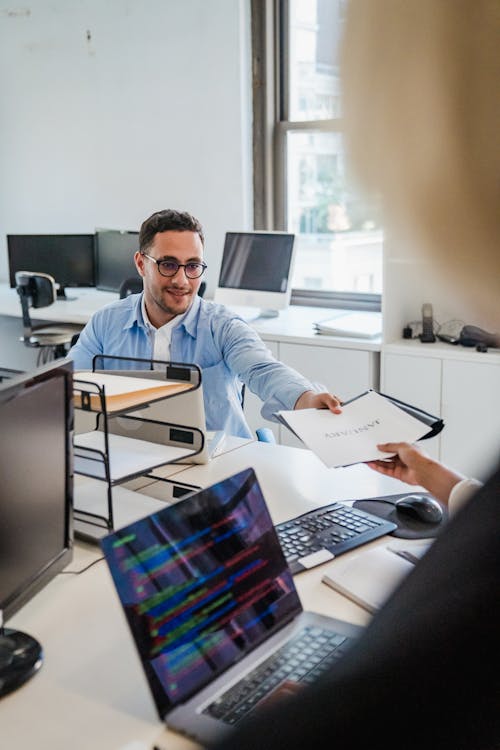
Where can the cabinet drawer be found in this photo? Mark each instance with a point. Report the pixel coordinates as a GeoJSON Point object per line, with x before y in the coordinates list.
{"type": "Point", "coordinates": [344, 372]}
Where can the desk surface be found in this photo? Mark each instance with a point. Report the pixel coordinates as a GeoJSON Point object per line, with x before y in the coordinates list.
{"type": "Point", "coordinates": [77, 310]}
{"type": "Point", "coordinates": [295, 324]}
{"type": "Point", "coordinates": [91, 691]}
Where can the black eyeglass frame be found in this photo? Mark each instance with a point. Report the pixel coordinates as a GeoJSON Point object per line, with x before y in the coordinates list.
{"type": "Point", "coordinates": [159, 264]}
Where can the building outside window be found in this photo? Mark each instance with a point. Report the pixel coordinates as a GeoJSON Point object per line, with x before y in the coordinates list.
{"type": "Point", "coordinates": [338, 235]}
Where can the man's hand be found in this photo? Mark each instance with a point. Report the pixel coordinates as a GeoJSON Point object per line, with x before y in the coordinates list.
{"type": "Point", "coordinates": [311, 400]}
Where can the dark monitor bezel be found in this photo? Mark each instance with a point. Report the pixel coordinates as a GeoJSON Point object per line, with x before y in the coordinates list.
{"type": "Point", "coordinates": [84, 281]}
{"type": "Point", "coordinates": [271, 237]}
{"type": "Point", "coordinates": [10, 389]}
{"type": "Point", "coordinates": [105, 285]}
{"type": "Point", "coordinates": [242, 294]}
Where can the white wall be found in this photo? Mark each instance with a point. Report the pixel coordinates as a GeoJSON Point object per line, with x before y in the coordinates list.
{"type": "Point", "coordinates": [410, 280]}
{"type": "Point", "coordinates": [113, 109]}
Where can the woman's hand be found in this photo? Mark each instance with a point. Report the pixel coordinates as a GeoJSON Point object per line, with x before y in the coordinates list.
{"type": "Point", "coordinates": [411, 465]}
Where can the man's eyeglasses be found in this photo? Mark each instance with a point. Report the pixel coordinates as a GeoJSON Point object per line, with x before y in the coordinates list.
{"type": "Point", "coordinates": [193, 270]}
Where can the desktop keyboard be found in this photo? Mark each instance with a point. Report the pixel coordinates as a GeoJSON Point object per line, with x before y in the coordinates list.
{"type": "Point", "coordinates": [322, 534]}
{"type": "Point", "coordinates": [301, 660]}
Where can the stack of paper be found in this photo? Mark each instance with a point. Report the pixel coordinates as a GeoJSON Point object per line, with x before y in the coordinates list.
{"type": "Point", "coordinates": [352, 436]}
{"type": "Point", "coordinates": [123, 392]}
{"type": "Point", "coordinates": [364, 325]}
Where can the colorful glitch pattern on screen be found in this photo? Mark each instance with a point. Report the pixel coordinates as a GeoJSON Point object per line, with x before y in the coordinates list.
{"type": "Point", "coordinates": [202, 583]}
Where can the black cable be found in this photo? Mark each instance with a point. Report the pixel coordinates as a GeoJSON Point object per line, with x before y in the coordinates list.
{"type": "Point", "coordinates": [77, 572]}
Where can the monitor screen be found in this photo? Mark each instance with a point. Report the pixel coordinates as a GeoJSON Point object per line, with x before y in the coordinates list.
{"type": "Point", "coordinates": [69, 258]}
{"type": "Point", "coordinates": [256, 269]}
{"type": "Point", "coordinates": [36, 414]}
{"type": "Point", "coordinates": [114, 254]}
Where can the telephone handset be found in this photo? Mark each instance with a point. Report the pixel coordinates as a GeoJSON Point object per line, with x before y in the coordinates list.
{"type": "Point", "coordinates": [427, 336]}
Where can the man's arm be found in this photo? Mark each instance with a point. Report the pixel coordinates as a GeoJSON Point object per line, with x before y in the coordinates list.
{"type": "Point", "coordinates": [280, 387]}
{"type": "Point", "coordinates": [85, 348]}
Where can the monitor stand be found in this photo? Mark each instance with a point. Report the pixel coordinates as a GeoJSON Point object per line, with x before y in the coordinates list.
{"type": "Point", "coordinates": [250, 314]}
{"type": "Point", "coordinates": [61, 294]}
{"type": "Point", "coordinates": [21, 657]}
{"type": "Point", "coordinates": [268, 313]}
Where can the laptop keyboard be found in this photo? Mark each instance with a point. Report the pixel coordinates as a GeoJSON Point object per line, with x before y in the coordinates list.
{"type": "Point", "coordinates": [301, 660]}
{"type": "Point", "coordinates": [322, 534]}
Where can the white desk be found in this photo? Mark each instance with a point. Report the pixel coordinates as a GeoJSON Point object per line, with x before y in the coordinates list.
{"type": "Point", "coordinates": [294, 325]}
{"type": "Point", "coordinates": [91, 692]}
{"type": "Point", "coordinates": [78, 310]}
{"type": "Point", "coordinates": [293, 480]}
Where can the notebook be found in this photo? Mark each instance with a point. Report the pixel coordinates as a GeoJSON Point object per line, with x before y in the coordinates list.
{"type": "Point", "coordinates": [370, 577]}
{"type": "Point", "coordinates": [209, 599]}
{"type": "Point", "coordinates": [364, 325]}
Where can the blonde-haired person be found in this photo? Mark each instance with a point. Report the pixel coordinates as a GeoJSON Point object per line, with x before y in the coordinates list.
{"type": "Point", "coordinates": [420, 81]}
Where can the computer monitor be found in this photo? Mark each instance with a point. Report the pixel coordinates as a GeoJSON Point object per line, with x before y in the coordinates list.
{"type": "Point", "coordinates": [69, 258]}
{"type": "Point", "coordinates": [256, 271]}
{"type": "Point", "coordinates": [36, 498]}
{"type": "Point", "coordinates": [114, 257]}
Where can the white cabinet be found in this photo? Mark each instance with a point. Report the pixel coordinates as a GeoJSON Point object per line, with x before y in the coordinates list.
{"type": "Point", "coordinates": [459, 385]}
{"type": "Point", "coordinates": [417, 381]}
{"type": "Point", "coordinates": [342, 371]}
{"type": "Point", "coordinates": [471, 411]}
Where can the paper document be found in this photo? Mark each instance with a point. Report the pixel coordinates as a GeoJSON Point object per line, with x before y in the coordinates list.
{"type": "Point", "coordinates": [365, 325]}
{"type": "Point", "coordinates": [352, 437]}
{"type": "Point", "coordinates": [124, 392]}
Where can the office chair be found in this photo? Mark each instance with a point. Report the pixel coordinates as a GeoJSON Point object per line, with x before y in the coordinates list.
{"type": "Point", "coordinates": [129, 286]}
{"type": "Point", "coordinates": [265, 435]}
{"type": "Point", "coordinates": [39, 290]}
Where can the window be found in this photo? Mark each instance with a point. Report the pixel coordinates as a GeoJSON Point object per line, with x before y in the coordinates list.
{"type": "Point", "coordinates": [301, 179]}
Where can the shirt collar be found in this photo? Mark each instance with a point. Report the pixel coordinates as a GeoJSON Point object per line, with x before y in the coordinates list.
{"type": "Point", "coordinates": [135, 316]}
{"type": "Point", "coordinates": [190, 319]}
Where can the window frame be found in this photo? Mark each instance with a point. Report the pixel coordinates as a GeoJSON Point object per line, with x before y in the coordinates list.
{"type": "Point", "coordinates": [270, 43]}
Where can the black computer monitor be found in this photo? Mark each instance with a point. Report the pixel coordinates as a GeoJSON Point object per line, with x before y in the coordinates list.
{"type": "Point", "coordinates": [36, 498]}
{"type": "Point", "coordinates": [69, 258]}
{"type": "Point", "coordinates": [114, 257]}
{"type": "Point", "coordinates": [256, 270]}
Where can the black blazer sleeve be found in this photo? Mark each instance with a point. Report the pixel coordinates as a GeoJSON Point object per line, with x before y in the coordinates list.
{"type": "Point", "coordinates": [424, 672]}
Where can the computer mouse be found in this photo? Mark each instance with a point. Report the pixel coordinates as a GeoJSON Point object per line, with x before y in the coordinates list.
{"type": "Point", "coordinates": [425, 508]}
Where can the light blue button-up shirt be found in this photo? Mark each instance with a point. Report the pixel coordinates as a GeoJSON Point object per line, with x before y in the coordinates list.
{"type": "Point", "coordinates": [228, 351]}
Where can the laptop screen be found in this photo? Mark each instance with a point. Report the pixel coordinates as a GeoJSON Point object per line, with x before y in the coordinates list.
{"type": "Point", "coordinates": [202, 582]}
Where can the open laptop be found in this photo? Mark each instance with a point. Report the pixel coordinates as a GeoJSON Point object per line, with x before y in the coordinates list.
{"type": "Point", "coordinates": [214, 611]}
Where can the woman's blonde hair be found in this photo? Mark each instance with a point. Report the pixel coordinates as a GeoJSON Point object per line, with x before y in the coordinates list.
{"type": "Point", "coordinates": [422, 111]}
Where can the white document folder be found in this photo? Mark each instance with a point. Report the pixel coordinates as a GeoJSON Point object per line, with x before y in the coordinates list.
{"type": "Point", "coordinates": [352, 436]}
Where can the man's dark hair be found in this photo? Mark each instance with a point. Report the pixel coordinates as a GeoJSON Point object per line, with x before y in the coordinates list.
{"type": "Point", "coordinates": [166, 221]}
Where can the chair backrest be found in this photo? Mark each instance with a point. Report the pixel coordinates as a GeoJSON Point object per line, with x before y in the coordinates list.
{"type": "Point", "coordinates": [265, 435]}
{"type": "Point", "coordinates": [39, 290]}
{"type": "Point", "coordinates": [132, 285]}
{"type": "Point", "coordinates": [34, 290]}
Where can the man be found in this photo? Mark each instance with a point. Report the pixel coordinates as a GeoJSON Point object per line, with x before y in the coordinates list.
{"type": "Point", "coordinates": [169, 321]}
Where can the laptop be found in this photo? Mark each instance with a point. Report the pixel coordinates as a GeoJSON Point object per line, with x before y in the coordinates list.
{"type": "Point", "coordinates": [213, 609]}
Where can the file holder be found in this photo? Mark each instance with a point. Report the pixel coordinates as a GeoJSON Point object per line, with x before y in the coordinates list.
{"type": "Point", "coordinates": [435, 424]}
{"type": "Point", "coordinates": [120, 446]}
